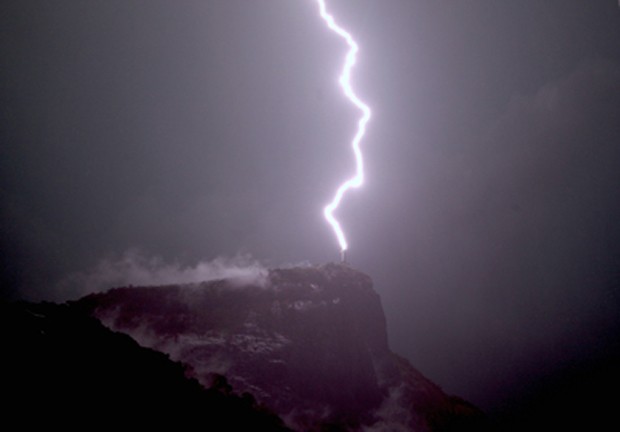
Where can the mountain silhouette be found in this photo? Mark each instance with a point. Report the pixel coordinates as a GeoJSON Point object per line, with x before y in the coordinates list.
{"type": "Point", "coordinates": [310, 344]}
{"type": "Point", "coordinates": [63, 369]}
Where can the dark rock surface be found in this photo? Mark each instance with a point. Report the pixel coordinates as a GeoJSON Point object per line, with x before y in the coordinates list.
{"type": "Point", "coordinates": [63, 370]}
{"type": "Point", "coordinates": [310, 343]}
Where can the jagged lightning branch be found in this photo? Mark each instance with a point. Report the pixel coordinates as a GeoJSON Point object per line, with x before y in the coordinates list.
{"type": "Point", "coordinates": [345, 83]}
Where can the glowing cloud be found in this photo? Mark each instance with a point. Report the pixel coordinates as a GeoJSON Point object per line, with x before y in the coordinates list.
{"type": "Point", "coordinates": [345, 82]}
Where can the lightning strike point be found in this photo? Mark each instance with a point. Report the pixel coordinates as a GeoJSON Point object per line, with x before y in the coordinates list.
{"type": "Point", "coordinates": [345, 83]}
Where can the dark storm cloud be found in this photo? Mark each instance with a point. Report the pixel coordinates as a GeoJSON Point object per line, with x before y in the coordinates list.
{"type": "Point", "coordinates": [123, 123]}
{"type": "Point", "coordinates": [538, 235]}
{"type": "Point", "coordinates": [511, 253]}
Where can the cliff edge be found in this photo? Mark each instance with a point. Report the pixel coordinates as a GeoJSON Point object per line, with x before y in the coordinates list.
{"type": "Point", "coordinates": [310, 343]}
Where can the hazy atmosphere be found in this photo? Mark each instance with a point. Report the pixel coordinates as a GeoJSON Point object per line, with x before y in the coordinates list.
{"type": "Point", "coordinates": [151, 142]}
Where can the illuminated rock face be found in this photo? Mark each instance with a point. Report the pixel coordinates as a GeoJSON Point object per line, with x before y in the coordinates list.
{"type": "Point", "coordinates": [311, 344]}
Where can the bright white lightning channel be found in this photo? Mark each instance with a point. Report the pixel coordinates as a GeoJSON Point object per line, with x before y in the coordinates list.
{"type": "Point", "coordinates": [345, 82]}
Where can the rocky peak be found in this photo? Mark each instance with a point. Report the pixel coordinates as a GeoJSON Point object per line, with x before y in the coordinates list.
{"type": "Point", "coordinates": [310, 343]}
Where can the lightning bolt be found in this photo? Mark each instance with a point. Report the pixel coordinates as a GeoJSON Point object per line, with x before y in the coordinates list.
{"type": "Point", "coordinates": [345, 83]}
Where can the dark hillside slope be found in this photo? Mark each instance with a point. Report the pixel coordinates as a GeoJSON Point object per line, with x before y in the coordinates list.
{"type": "Point", "coordinates": [310, 343]}
{"type": "Point", "coordinates": [61, 368]}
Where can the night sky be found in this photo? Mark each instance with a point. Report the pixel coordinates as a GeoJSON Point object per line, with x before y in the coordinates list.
{"type": "Point", "coordinates": [188, 131]}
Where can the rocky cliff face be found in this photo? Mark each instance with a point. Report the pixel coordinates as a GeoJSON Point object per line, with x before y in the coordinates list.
{"type": "Point", "coordinates": [310, 343]}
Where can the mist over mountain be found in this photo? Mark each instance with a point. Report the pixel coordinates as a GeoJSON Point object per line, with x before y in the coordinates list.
{"type": "Point", "coordinates": [309, 344]}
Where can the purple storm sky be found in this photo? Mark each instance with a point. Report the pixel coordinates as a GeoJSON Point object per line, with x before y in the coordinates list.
{"type": "Point", "coordinates": [193, 130]}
